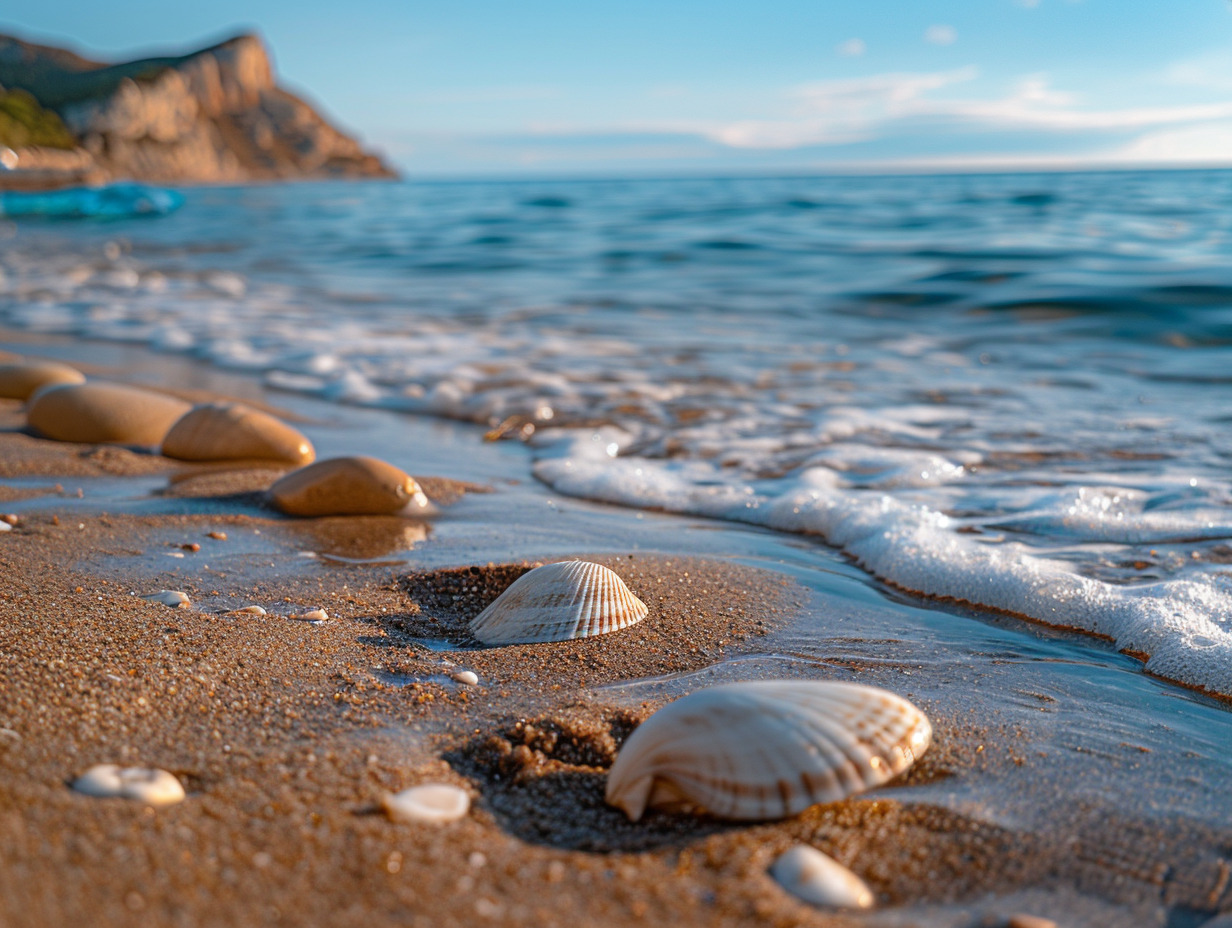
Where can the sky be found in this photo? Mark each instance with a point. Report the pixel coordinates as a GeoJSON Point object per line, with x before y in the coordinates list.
{"type": "Point", "coordinates": [670, 87]}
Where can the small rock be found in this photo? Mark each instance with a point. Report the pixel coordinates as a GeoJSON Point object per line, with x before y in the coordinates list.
{"type": "Point", "coordinates": [217, 536]}
{"type": "Point", "coordinates": [348, 486]}
{"type": "Point", "coordinates": [19, 381]}
{"type": "Point", "coordinates": [103, 412]}
{"type": "Point", "coordinates": [145, 784]}
{"type": "Point", "coordinates": [234, 432]}
{"type": "Point", "coordinates": [430, 804]}
{"type": "Point", "coordinates": [466, 677]}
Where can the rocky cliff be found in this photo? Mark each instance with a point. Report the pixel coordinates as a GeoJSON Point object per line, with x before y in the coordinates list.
{"type": "Point", "coordinates": [215, 116]}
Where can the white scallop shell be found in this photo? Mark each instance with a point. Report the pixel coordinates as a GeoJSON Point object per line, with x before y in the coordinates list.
{"type": "Point", "coordinates": [145, 784]}
{"type": "Point", "coordinates": [817, 879]}
{"type": "Point", "coordinates": [432, 804]}
{"type": "Point", "coordinates": [557, 602]}
{"type": "Point", "coordinates": [765, 750]}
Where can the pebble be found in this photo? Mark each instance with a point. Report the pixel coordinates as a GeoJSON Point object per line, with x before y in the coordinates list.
{"type": "Point", "coordinates": [467, 677]}
{"type": "Point", "coordinates": [430, 804]}
{"type": "Point", "coordinates": [234, 432]}
{"type": "Point", "coordinates": [817, 879]}
{"type": "Point", "coordinates": [172, 598]}
{"type": "Point", "coordinates": [145, 784]}
{"type": "Point", "coordinates": [19, 381]}
{"type": "Point", "coordinates": [217, 536]}
{"type": "Point", "coordinates": [346, 486]}
{"type": "Point", "coordinates": [103, 412]}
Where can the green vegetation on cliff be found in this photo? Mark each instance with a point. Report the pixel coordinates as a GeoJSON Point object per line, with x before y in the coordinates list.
{"type": "Point", "coordinates": [23, 123]}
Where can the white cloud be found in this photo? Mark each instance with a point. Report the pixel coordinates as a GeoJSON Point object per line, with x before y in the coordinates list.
{"type": "Point", "coordinates": [831, 112]}
{"type": "Point", "coordinates": [852, 48]}
{"type": "Point", "coordinates": [941, 35]}
{"type": "Point", "coordinates": [1205, 143]}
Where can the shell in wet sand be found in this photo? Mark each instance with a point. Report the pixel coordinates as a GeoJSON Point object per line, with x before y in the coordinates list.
{"type": "Point", "coordinates": [430, 804]}
{"type": "Point", "coordinates": [812, 877]}
{"type": "Point", "coordinates": [172, 598]}
{"type": "Point", "coordinates": [351, 486]}
{"type": "Point", "coordinates": [103, 412]}
{"type": "Point", "coordinates": [766, 750]}
{"type": "Point", "coordinates": [18, 381]}
{"type": "Point", "coordinates": [145, 784]}
{"type": "Point", "coordinates": [558, 602]}
{"type": "Point", "coordinates": [233, 432]}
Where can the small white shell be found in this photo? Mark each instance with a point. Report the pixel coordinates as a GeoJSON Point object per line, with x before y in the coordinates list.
{"type": "Point", "coordinates": [172, 598]}
{"type": "Point", "coordinates": [145, 784]}
{"type": "Point", "coordinates": [557, 602]}
{"type": "Point", "coordinates": [248, 610]}
{"type": "Point", "coordinates": [430, 804]}
{"type": "Point", "coordinates": [312, 615]}
{"type": "Point", "coordinates": [465, 677]}
{"type": "Point", "coordinates": [766, 750]}
{"type": "Point", "coordinates": [813, 877]}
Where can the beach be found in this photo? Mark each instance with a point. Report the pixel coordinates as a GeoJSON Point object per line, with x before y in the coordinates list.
{"type": "Point", "coordinates": [1044, 793]}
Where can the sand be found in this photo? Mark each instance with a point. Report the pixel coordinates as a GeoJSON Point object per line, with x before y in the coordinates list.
{"type": "Point", "coordinates": [286, 734]}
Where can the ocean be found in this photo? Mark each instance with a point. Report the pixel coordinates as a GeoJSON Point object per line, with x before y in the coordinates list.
{"type": "Point", "coordinates": [998, 394]}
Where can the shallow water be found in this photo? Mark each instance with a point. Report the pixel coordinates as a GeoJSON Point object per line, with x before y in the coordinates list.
{"type": "Point", "coordinates": [1007, 390]}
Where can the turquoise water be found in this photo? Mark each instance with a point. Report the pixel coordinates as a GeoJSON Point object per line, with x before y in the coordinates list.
{"type": "Point", "coordinates": [1008, 390]}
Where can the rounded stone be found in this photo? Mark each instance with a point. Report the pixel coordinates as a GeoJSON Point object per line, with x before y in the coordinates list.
{"type": "Point", "coordinates": [19, 380]}
{"type": "Point", "coordinates": [103, 412]}
{"type": "Point", "coordinates": [347, 486]}
{"type": "Point", "coordinates": [234, 432]}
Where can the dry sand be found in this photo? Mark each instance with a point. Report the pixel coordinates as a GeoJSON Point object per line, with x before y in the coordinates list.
{"type": "Point", "coordinates": [286, 734]}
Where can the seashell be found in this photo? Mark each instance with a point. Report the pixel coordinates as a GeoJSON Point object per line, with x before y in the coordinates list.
{"type": "Point", "coordinates": [217, 536]}
{"type": "Point", "coordinates": [465, 677]}
{"type": "Point", "coordinates": [350, 486]}
{"type": "Point", "coordinates": [557, 602]}
{"type": "Point", "coordinates": [103, 412]}
{"type": "Point", "coordinates": [817, 879]}
{"type": "Point", "coordinates": [19, 381]}
{"type": "Point", "coordinates": [247, 610]}
{"type": "Point", "coordinates": [172, 598]}
{"type": "Point", "coordinates": [145, 784]}
{"type": "Point", "coordinates": [312, 615]}
{"type": "Point", "coordinates": [430, 804]}
{"type": "Point", "coordinates": [766, 749]}
{"type": "Point", "coordinates": [233, 432]}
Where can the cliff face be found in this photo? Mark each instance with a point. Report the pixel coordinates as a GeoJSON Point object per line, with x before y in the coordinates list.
{"type": "Point", "coordinates": [215, 115]}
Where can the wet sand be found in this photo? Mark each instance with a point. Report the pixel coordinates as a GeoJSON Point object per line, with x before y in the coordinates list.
{"type": "Point", "coordinates": [286, 734]}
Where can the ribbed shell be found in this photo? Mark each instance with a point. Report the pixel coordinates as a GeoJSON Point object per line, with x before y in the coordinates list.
{"type": "Point", "coordinates": [557, 602]}
{"type": "Point", "coordinates": [232, 432]}
{"type": "Point", "coordinates": [766, 750]}
{"type": "Point", "coordinates": [103, 412]}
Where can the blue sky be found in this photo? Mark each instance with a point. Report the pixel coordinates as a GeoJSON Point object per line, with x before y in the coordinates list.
{"type": "Point", "coordinates": [571, 87]}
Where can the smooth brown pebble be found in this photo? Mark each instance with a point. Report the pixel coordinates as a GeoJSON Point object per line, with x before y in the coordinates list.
{"type": "Point", "coordinates": [217, 536]}
{"type": "Point", "coordinates": [18, 381]}
{"type": "Point", "coordinates": [234, 432]}
{"type": "Point", "coordinates": [1022, 920]}
{"type": "Point", "coordinates": [345, 486]}
{"type": "Point", "coordinates": [103, 412]}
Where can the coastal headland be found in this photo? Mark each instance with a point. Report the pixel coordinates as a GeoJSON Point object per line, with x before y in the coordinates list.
{"type": "Point", "coordinates": [214, 115]}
